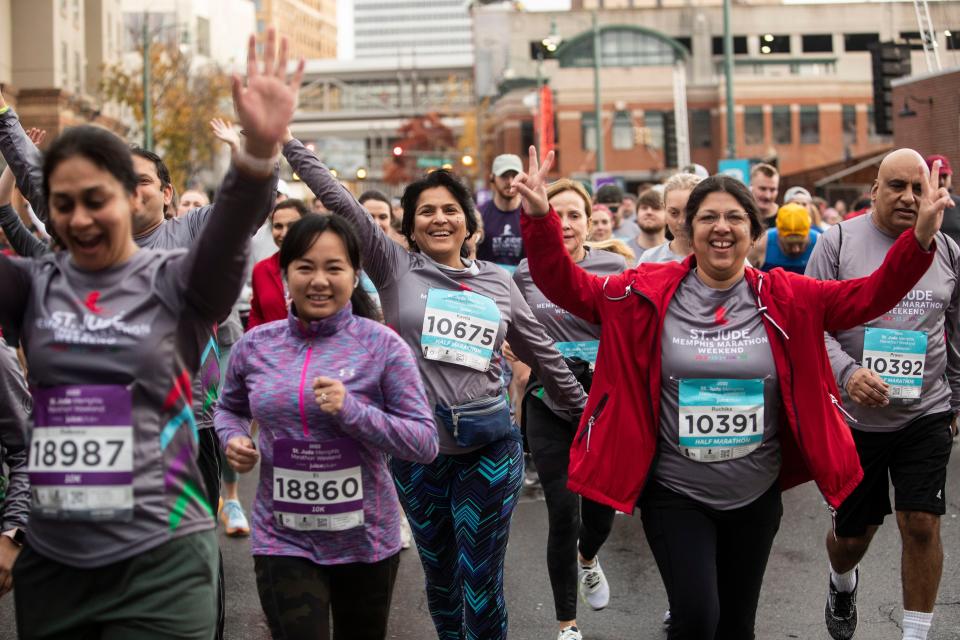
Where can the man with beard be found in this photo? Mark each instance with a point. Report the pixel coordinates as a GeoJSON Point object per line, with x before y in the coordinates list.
{"type": "Point", "coordinates": [501, 215]}
{"type": "Point", "coordinates": [765, 185]}
{"type": "Point", "coordinates": [652, 221]}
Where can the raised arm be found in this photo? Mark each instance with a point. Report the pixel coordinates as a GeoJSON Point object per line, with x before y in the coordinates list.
{"type": "Point", "coordinates": [15, 406]}
{"type": "Point", "coordinates": [405, 427]}
{"type": "Point", "coordinates": [561, 280]}
{"type": "Point", "coordinates": [20, 238]}
{"type": "Point", "coordinates": [24, 159]}
{"type": "Point", "coordinates": [383, 259]}
{"type": "Point", "coordinates": [529, 340]}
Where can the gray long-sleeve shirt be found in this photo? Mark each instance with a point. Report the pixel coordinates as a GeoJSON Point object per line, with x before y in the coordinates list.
{"type": "Point", "coordinates": [856, 248]}
{"type": "Point", "coordinates": [19, 237]}
{"type": "Point", "coordinates": [127, 338]}
{"type": "Point", "coordinates": [405, 280]}
{"type": "Point", "coordinates": [15, 405]}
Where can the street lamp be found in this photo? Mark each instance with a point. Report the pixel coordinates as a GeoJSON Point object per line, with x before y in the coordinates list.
{"type": "Point", "coordinates": [550, 44]}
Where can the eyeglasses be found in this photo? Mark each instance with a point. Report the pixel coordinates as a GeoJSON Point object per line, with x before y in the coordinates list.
{"type": "Point", "coordinates": [712, 218]}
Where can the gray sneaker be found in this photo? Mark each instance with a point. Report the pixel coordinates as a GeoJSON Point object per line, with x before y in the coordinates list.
{"type": "Point", "coordinates": [840, 612]}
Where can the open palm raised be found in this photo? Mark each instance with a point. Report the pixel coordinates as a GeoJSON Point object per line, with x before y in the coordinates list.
{"type": "Point", "coordinates": [265, 106]}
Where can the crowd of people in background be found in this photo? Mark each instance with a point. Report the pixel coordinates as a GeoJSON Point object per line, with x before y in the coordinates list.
{"type": "Point", "coordinates": [689, 350]}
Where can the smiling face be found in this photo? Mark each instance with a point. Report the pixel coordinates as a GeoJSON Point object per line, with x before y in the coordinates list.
{"type": "Point", "coordinates": [721, 236]}
{"type": "Point", "coordinates": [896, 191]}
{"type": "Point", "coordinates": [91, 213]}
{"type": "Point", "coordinates": [153, 196]}
{"type": "Point", "coordinates": [601, 224]}
{"type": "Point", "coordinates": [322, 280]}
{"type": "Point", "coordinates": [280, 223]}
{"type": "Point", "coordinates": [439, 225]}
{"type": "Point", "coordinates": [573, 220]}
{"type": "Point", "coordinates": [380, 212]}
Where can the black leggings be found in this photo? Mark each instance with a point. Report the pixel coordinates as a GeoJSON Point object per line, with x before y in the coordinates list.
{"type": "Point", "coordinates": [712, 562]}
{"type": "Point", "coordinates": [298, 597]}
{"type": "Point", "coordinates": [571, 518]}
{"type": "Point", "coordinates": [208, 461]}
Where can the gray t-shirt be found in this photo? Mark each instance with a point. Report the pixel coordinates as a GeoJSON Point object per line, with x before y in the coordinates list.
{"type": "Point", "coordinates": [923, 326]}
{"type": "Point", "coordinates": [718, 375]}
{"type": "Point", "coordinates": [628, 229]}
{"type": "Point", "coordinates": [660, 254]}
{"type": "Point", "coordinates": [573, 336]}
{"type": "Point", "coordinates": [110, 356]}
{"type": "Point", "coordinates": [410, 283]}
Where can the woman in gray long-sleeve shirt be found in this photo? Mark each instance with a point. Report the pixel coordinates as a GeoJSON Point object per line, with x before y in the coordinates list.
{"type": "Point", "coordinates": [120, 540]}
{"type": "Point", "coordinates": [455, 315]}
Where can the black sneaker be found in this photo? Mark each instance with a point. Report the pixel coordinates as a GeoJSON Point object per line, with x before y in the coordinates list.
{"type": "Point", "coordinates": [840, 612]}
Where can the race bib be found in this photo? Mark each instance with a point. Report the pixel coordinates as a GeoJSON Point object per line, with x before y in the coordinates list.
{"type": "Point", "coordinates": [317, 486]}
{"type": "Point", "coordinates": [81, 453]}
{"type": "Point", "coordinates": [720, 419]}
{"type": "Point", "coordinates": [460, 327]}
{"type": "Point", "coordinates": [898, 358]}
{"type": "Point", "coordinates": [585, 350]}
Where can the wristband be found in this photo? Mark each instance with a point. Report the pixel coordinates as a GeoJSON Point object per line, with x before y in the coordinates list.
{"type": "Point", "coordinates": [257, 166]}
{"type": "Point", "coordinates": [4, 110]}
{"type": "Point", "coordinates": [17, 535]}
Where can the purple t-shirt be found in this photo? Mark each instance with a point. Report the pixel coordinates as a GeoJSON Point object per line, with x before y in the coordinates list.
{"type": "Point", "coordinates": [502, 243]}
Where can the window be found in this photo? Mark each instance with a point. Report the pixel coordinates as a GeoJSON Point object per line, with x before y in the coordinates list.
{"type": "Point", "coordinates": [623, 130]}
{"type": "Point", "coordinates": [655, 124]}
{"type": "Point", "coordinates": [913, 39]}
{"type": "Point", "coordinates": [809, 124]}
{"type": "Point", "coordinates": [619, 47]}
{"type": "Point", "coordinates": [753, 125]}
{"type": "Point", "coordinates": [203, 36]}
{"type": "Point", "coordinates": [859, 41]}
{"type": "Point", "coordinates": [588, 131]}
{"type": "Point", "coordinates": [782, 124]}
{"type": "Point", "coordinates": [687, 43]}
{"type": "Point", "coordinates": [770, 43]}
{"type": "Point", "coordinates": [64, 65]}
{"type": "Point", "coordinates": [953, 39]}
{"type": "Point", "coordinates": [820, 43]}
{"type": "Point", "coordinates": [701, 129]}
{"type": "Point", "coordinates": [739, 45]}
{"type": "Point", "coordinates": [849, 124]}
{"type": "Point", "coordinates": [77, 72]}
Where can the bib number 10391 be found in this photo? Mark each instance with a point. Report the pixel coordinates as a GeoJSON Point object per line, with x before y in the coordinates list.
{"type": "Point", "coordinates": [720, 419]}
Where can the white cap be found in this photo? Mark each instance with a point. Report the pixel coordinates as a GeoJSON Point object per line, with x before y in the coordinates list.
{"type": "Point", "coordinates": [794, 193]}
{"type": "Point", "coordinates": [283, 187]}
{"type": "Point", "coordinates": [506, 162]}
{"type": "Point", "coordinates": [697, 169]}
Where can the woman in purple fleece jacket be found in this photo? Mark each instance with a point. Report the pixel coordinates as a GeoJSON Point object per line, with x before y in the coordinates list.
{"type": "Point", "coordinates": [335, 394]}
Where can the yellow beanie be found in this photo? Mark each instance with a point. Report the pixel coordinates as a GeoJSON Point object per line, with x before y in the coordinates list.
{"type": "Point", "coordinates": [793, 220]}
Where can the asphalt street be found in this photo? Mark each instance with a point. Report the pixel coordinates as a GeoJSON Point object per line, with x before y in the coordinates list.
{"type": "Point", "coordinates": [791, 605]}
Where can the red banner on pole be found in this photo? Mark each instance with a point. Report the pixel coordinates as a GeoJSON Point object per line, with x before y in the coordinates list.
{"type": "Point", "coordinates": [545, 130]}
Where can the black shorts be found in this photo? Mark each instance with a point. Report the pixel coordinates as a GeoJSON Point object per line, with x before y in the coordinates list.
{"type": "Point", "coordinates": [915, 458]}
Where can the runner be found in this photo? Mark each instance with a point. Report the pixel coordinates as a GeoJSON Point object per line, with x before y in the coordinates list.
{"type": "Point", "coordinates": [601, 223]}
{"type": "Point", "coordinates": [764, 185]}
{"type": "Point", "coordinates": [15, 404]}
{"type": "Point", "coordinates": [651, 220]}
{"type": "Point", "coordinates": [576, 531]}
{"type": "Point", "coordinates": [131, 552]}
{"type": "Point", "coordinates": [501, 215]}
{"type": "Point", "coordinates": [900, 378]}
{"type": "Point", "coordinates": [326, 535]}
{"type": "Point", "coordinates": [455, 315]}
{"type": "Point", "coordinates": [723, 372]}
{"type": "Point", "coordinates": [270, 300]}
{"type": "Point", "coordinates": [676, 191]}
{"type": "Point", "coordinates": [791, 243]}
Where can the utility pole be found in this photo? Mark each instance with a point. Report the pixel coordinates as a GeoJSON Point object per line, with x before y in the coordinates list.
{"type": "Point", "coordinates": [598, 115]}
{"type": "Point", "coordinates": [728, 72]}
{"type": "Point", "coordinates": [147, 97]}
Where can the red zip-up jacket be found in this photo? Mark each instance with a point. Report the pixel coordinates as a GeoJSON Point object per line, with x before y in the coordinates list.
{"type": "Point", "coordinates": [616, 442]}
{"type": "Point", "coordinates": [267, 303]}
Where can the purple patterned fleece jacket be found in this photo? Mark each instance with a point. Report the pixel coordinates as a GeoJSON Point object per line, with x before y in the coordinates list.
{"type": "Point", "coordinates": [385, 411]}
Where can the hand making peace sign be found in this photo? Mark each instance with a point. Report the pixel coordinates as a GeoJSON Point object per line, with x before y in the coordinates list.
{"type": "Point", "coordinates": [532, 185]}
{"type": "Point", "coordinates": [933, 200]}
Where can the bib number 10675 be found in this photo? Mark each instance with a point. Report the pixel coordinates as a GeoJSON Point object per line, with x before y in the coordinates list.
{"type": "Point", "coordinates": [461, 330]}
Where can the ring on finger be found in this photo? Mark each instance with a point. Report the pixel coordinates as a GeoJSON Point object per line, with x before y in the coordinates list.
{"type": "Point", "coordinates": [323, 398]}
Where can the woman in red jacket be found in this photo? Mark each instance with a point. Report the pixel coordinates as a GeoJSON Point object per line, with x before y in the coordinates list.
{"type": "Point", "coordinates": [742, 402]}
{"type": "Point", "coordinates": [269, 301]}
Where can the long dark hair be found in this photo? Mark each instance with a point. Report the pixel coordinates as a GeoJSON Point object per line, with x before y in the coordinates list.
{"type": "Point", "coordinates": [725, 184]}
{"type": "Point", "coordinates": [439, 178]}
{"type": "Point", "coordinates": [301, 236]}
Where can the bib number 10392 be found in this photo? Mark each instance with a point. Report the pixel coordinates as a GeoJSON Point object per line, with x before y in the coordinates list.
{"type": "Point", "coordinates": [898, 357]}
{"type": "Point", "coordinates": [81, 453]}
{"type": "Point", "coordinates": [720, 419]}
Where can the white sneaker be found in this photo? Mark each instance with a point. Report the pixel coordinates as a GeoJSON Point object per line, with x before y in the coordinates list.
{"type": "Point", "coordinates": [406, 535]}
{"type": "Point", "coordinates": [594, 589]}
{"type": "Point", "coordinates": [570, 633]}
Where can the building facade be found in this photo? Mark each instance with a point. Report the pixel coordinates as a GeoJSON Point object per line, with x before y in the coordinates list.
{"type": "Point", "coordinates": [802, 81]}
{"type": "Point", "coordinates": [413, 30]}
{"type": "Point", "coordinates": [926, 114]}
{"type": "Point", "coordinates": [309, 25]}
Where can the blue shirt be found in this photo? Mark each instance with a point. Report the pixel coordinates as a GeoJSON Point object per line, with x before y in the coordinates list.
{"type": "Point", "coordinates": [776, 258]}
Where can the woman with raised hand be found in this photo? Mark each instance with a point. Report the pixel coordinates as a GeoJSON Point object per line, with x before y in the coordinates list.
{"type": "Point", "coordinates": [740, 399]}
{"type": "Point", "coordinates": [455, 314]}
{"type": "Point", "coordinates": [326, 529]}
{"type": "Point", "coordinates": [576, 530]}
{"type": "Point", "coordinates": [121, 540]}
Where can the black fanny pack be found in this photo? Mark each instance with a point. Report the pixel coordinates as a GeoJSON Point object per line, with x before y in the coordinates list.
{"type": "Point", "coordinates": [477, 422]}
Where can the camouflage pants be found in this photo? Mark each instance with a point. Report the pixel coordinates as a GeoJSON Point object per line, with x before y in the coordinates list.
{"type": "Point", "coordinates": [298, 597]}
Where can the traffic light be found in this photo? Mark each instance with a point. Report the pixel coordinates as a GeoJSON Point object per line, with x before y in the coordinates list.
{"type": "Point", "coordinates": [890, 61]}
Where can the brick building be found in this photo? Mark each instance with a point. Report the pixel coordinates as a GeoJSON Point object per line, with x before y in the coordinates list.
{"type": "Point", "coordinates": [926, 114]}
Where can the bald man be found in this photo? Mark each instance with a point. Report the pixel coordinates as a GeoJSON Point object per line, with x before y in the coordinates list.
{"type": "Point", "coordinates": [899, 377]}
